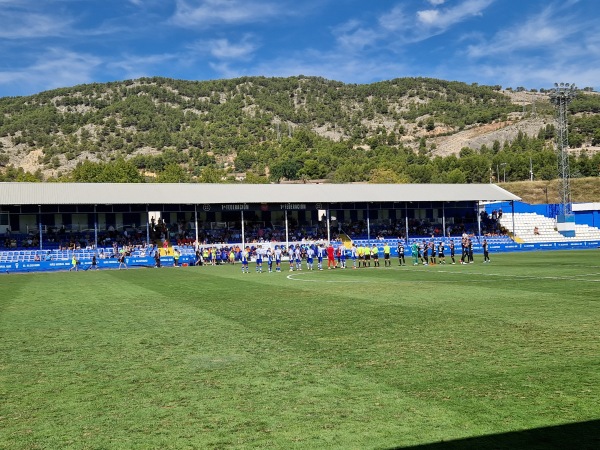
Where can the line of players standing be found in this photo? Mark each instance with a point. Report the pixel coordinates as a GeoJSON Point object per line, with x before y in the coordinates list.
{"type": "Point", "coordinates": [360, 256]}
{"type": "Point", "coordinates": [316, 255]}
{"type": "Point", "coordinates": [431, 253]}
{"type": "Point", "coordinates": [333, 257]}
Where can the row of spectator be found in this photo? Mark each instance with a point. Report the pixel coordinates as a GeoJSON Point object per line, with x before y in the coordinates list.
{"type": "Point", "coordinates": [182, 234]}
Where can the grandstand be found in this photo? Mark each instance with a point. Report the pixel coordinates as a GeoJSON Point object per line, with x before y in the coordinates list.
{"type": "Point", "coordinates": [537, 228]}
{"type": "Point", "coordinates": [49, 222]}
{"type": "Point", "coordinates": [62, 255]}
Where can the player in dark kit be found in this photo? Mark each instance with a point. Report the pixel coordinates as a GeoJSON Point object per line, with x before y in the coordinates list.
{"type": "Point", "coordinates": [486, 253]}
{"type": "Point", "coordinates": [470, 250]}
{"type": "Point", "coordinates": [463, 251]}
{"type": "Point", "coordinates": [452, 251]}
{"type": "Point", "coordinates": [441, 256]}
{"type": "Point", "coordinates": [401, 261]}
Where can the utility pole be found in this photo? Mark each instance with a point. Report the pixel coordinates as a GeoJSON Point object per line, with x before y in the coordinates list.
{"type": "Point", "coordinates": [530, 169]}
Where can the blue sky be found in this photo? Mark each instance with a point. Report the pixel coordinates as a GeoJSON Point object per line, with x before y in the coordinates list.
{"type": "Point", "coordinates": [46, 44]}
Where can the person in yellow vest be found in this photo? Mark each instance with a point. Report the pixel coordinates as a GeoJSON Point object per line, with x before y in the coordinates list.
{"type": "Point", "coordinates": [375, 255]}
{"type": "Point", "coordinates": [74, 263]}
{"type": "Point", "coordinates": [386, 255]}
{"type": "Point", "coordinates": [360, 251]}
{"type": "Point", "coordinates": [205, 255]}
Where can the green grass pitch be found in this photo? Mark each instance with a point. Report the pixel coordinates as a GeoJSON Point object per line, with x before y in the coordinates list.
{"type": "Point", "coordinates": [208, 357]}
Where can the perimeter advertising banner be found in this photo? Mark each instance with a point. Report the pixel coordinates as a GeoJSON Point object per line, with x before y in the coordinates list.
{"type": "Point", "coordinates": [49, 266]}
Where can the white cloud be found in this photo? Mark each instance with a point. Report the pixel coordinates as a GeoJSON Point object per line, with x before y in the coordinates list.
{"type": "Point", "coordinates": [208, 13]}
{"type": "Point", "coordinates": [27, 20]}
{"type": "Point", "coordinates": [546, 30]}
{"type": "Point", "coordinates": [531, 75]}
{"type": "Point", "coordinates": [436, 2]}
{"type": "Point", "coordinates": [333, 65]}
{"type": "Point", "coordinates": [225, 70]}
{"type": "Point", "coordinates": [397, 27]}
{"type": "Point", "coordinates": [429, 16]}
{"type": "Point", "coordinates": [353, 36]}
{"type": "Point", "coordinates": [136, 66]}
{"type": "Point", "coordinates": [56, 68]}
{"type": "Point", "coordinates": [24, 25]}
{"type": "Point", "coordinates": [444, 18]}
{"type": "Point", "coordinates": [395, 19]}
{"type": "Point", "coordinates": [224, 49]}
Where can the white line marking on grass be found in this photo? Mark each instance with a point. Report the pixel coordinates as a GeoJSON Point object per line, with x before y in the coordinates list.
{"type": "Point", "coordinates": [294, 275]}
{"type": "Point", "coordinates": [531, 277]}
{"type": "Point", "coordinates": [578, 277]}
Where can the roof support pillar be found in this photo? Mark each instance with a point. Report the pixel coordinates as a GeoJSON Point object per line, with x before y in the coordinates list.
{"type": "Point", "coordinates": [147, 226]}
{"type": "Point", "coordinates": [368, 224]}
{"type": "Point", "coordinates": [197, 246]}
{"type": "Point", "coordinates": [512, 207]}
{"type": "Point", "coordinates": [287, 232]}
{"type": "Point", "coordinates": [40, 225]}
{"type": "Point", "coordinates": [244, 229]}
{"type": "Point", "coordinates": [478, 221]}
{"type": "Point", "coordinates": [443, 220]}
{"type": "Point", "coordinates": [96, 227]}
{"type": "Point", "coordinates": [406, 220]}
{"type": "Point", "coordinates": [328, 224]}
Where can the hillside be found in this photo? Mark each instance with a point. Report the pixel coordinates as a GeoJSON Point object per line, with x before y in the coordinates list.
{"type": "Point", "coordinates": [271, 129]}
{"type": "Point", "coordinates": [583, 190]}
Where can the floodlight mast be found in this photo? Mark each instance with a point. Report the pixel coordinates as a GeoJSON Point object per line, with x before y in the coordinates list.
{"type": "Point", "coordinates": [560, 96]}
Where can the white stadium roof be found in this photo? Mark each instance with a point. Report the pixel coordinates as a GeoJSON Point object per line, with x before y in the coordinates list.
{"type": "Point", "coordinates": [174, 193]}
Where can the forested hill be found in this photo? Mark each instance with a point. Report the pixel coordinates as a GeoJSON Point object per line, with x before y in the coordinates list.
{"type": "Point", "coordinates": [299, 128]}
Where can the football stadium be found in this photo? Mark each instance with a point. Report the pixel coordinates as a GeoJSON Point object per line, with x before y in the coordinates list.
{"type": "Point", "coordinates": [491, 342]}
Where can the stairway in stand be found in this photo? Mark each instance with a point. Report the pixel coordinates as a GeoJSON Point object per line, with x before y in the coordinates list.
{"type": "Point", "coordinates": [165, 251]}
{"type": "Point", "coordinates": [346, 240]}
